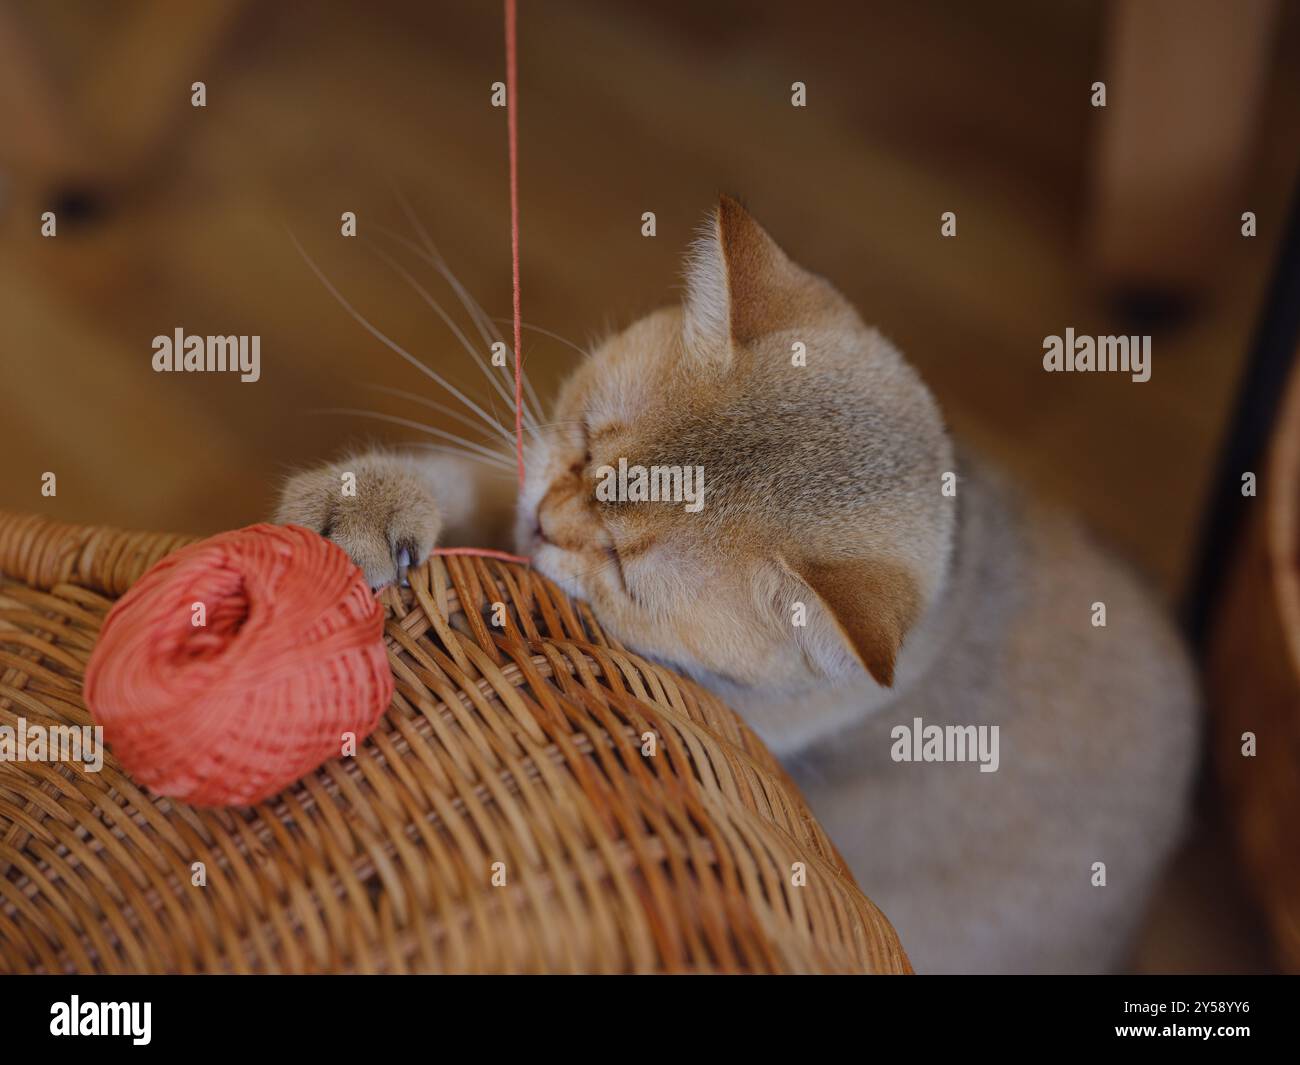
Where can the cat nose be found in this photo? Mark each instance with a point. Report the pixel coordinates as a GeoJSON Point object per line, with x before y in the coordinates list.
{"type": "Point", "coordinates": [557, 523]}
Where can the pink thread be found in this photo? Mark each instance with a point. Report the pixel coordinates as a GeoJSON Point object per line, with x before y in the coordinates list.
{"type": "Point", "coordinates": [512, 125]}
{"type": "Point", "coordinates": [483, 552]}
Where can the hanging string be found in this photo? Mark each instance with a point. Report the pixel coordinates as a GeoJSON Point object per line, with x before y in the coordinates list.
{"type": "Point", "coordinates": [512, 127]}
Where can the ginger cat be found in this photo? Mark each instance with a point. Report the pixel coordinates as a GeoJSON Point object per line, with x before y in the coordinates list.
{"type": "Point", "coordinates": [824, 504]}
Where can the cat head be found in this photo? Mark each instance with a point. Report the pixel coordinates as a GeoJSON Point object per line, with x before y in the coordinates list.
{"type": "Point", "coordinates": [822, 534]}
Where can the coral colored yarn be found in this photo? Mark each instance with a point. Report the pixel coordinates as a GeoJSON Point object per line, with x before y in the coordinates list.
{"type": "Point", "coordinates": [291, 658]}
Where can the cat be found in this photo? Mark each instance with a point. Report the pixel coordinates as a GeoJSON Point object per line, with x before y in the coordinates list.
{"type": "Point", "coordinates": [851, 577]}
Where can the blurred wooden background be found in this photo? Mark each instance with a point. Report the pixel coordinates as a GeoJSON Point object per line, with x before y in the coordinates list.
{"type": "Point", "coordinates": [315, 109]}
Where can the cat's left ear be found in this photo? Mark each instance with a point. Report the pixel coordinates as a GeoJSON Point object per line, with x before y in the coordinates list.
{"type": "Point", "coordinates": [872, 603]}
{"type": "Point", "coordinates": [740, 285]}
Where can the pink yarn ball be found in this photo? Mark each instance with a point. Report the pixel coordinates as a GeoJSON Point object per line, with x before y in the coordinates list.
{"type": "Point", "coordinates": [289, 658]}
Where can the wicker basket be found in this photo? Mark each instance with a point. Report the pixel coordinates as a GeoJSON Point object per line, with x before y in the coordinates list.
{"type": "Point", "coordinates": [515, 754]}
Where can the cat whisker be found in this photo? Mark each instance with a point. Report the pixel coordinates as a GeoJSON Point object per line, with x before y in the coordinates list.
{"type": "Point", "coordinates": [506, 469]}
{"type": "Point", "coordinates": [465, 448]}
{"type": "Point", "coordinates": [530, 395]}
{"type": "Point", "coordinates": [532, 404]}
{"type": "Point", "coordinates": [433, 256]}
{"type": "Point", "coordinates": [607, 564]}
{"type": "Point", "coordinates": [424, 294]}
{"type": "Point", "coordinates": [451, 412]}
{"type": "Point", "coordinates": [554, 336]}
{"type": "Point", "coordinates": [546, 332]}
{"type": "Point", "coordinates": [445, 449]}
{"type": "Point", "coordinates": [386, 340]}
{"type": "Point", "coordinates": [536, 429]}
{"type": "Point", "coordinates": [484, 324]}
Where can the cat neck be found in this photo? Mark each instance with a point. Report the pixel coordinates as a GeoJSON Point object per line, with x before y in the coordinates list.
{"type": "Point", "coordinates": [793, 722]}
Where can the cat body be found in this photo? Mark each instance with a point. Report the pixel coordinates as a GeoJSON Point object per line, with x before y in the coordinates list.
{"type": "Point", "coordinates": [837, 591]}
{"type": "Point", "coordinates": [998, 871]}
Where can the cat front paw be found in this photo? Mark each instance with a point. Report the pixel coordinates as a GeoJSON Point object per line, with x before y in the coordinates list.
{"type": "Point", "coordinates": [378, 506]}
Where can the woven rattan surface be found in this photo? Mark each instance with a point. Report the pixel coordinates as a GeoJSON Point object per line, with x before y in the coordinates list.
{"type": "Point", "coordinates": [502, 818]}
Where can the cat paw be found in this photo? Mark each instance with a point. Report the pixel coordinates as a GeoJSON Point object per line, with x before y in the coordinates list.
{"type": "Point", "coordinates": [378, 507]}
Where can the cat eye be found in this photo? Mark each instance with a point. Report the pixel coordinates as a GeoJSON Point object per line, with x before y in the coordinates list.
{"type": "Point", "coordinates": [582, 467]}
{"type": "Point", "coordinates": [589, 435]}
{"type": "Point", "coordinates": [586, 443]}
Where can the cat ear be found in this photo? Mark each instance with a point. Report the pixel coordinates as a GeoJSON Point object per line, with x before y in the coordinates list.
{"type": "Point", "coordinates": [872, 603]}
{"type": "Point", "coordinates": [739, 283]}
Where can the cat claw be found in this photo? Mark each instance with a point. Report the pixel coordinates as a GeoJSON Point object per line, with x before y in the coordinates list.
{"type": "Point", "coordinates": [405, 556]}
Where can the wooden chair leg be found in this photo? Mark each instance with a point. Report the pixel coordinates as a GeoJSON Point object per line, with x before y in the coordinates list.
{"type": "Point", "coordinates": [139, 89]}
{"type": "Point", "coordinates": [38, 136]}
{"type": "Point", "coordinates": [1184, 80]}
{"type": "Point", "coordinates": [113, 122]}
